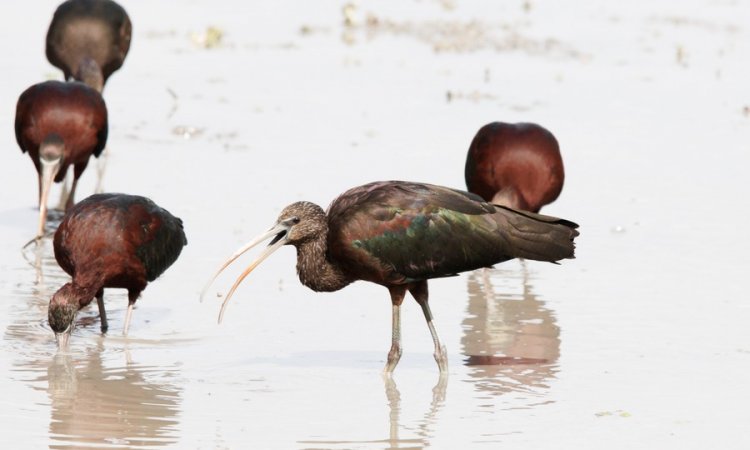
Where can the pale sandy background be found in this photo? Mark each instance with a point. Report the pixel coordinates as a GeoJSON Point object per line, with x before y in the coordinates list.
{"type": "Point", "coordinates": [641, 342]}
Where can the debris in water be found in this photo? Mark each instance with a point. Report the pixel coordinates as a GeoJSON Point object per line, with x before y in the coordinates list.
{"type": "Point", "coordinates": [211, 38]}
{"type": "Point", "coordinates": [681, 56]}
{"type": "Point", "coordinates": [350, 14]}
{"type": "Point", "coordinates": [173, 109]}
{"type": "Point", "coordinates": [473, 96]}
{"type": "Point", "coordinates": [618, 412]}
{"type": "Point", "coordinates": [187, 132]}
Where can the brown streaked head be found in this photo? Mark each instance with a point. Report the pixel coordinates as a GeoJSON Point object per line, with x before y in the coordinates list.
{"type": "Point", "coordinates": [63, 308]}
{"type": "Point", "coordinates": [297, 223]}
{"type": "Point", "coordinates": [305, 221]}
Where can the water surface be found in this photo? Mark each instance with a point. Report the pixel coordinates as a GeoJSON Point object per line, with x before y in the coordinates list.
{"type": "Point", "coordinates": [642, 340]}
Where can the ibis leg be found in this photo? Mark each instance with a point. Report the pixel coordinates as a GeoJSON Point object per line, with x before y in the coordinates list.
{"type": "Point", "coordinates": [40, 189]}
{"type": "Point", "coordinates": [397, 297]}
{"type": "Point", "coordinates": [132, 297]}
{"type": "Point", "coordinates": [102, 311]}
{"type": "Point", "coordinates": [71, 196]}
{"type": "Point", "coordinates": [45, 181]}
{"type": "Point", "coordinates": [64, 193]}
{"type": "Point", "coordinates": [419, 291]}
{"type": "Point", "coordinates": [42, 209]}
{"type": "Point", "coordinates": [101, 167]}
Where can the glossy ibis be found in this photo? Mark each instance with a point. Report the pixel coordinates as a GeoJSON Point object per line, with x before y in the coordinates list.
{"type": "Point", "coordinates": [88, 40]}
{"type": "Point", "coordinates": [111, 241]}
{"type": "Point", "coordinates": [515, 165]}
{"type": "Point", "coordinates": [60, 124]}
{"type": "Point", "coordinates": [399, 235]}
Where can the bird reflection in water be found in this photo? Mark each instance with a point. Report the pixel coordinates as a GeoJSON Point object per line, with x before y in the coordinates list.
{"type": "Point", "coordinates": [420, 433]}
{"type": "Point", "coordinates": [511, 340]}
{"type": "Point", "coordinates": [425, 426]}
{"type": "Point", "coordinates": [41, 258]}
{"type": "Point", "coordinates": [95, 405]}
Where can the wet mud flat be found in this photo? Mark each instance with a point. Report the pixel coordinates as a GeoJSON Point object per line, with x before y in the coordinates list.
{"type": "Point", "coordinates": [639, 341]}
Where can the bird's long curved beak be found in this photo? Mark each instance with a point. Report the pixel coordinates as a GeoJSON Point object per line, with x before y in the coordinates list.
{"type": "Point", "coordinates": [280, 231]}
{"type": "Point", "coordinates": [49, 170]}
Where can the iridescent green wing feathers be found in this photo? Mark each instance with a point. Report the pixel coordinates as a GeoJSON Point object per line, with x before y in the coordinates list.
{"type": "Point", "coordinates": [444, 231]}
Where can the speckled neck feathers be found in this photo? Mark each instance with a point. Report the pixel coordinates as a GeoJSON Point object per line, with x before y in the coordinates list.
{"type": "Point", "coordinates": [313, 267]}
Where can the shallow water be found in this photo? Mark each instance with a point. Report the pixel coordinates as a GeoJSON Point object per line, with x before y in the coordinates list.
{"type": "Point", "coordinates": [642, 340]}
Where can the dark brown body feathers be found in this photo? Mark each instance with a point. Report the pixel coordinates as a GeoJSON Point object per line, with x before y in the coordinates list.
{"type": "Point", "coordinates": [516, 165]}
{"type": "Point", "coordinates": [117, 241]}
{"type": "Point", "coordinates": [97, 29]}
{"type": "Point", "coordinates": [73, 111]}
{"type": "Point", "coordinates": [398, 232]}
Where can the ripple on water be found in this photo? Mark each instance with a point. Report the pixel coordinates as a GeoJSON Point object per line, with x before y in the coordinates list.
{"type": "Point", "coordinates": [130, 404]}
{"type": "Point", "coordinates": [100, 397]}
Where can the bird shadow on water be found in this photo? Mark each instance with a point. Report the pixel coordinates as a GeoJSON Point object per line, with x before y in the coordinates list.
{"type": "Point", "coordinates": [96, 400]}
{"type": "Point", "coordinates": [511, 339]}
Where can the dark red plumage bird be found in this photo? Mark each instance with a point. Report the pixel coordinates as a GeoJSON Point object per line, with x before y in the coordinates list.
{"type": "Point", "coordinates": [401, 234]}
{"type": "Point", "coordinates": [111, 241]}
{"type": "Point", "coordinates": [88, 40]}
{"type": "Point", "coordinates": [60, 125]}
{"type": "Point", "coordinates": [515, 165]}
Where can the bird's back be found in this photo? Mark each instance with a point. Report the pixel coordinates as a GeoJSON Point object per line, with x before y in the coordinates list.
{"type": "Point", "coordinates": [521, 159]}
{"type": "Point", "coordinates": [397, 232]}
{"type": "Point", "coordinates": [163, 238]}
{"type": "Point", "coordinates": [97, 29]}
{"type": "Point", "coordinates": [125, 234]}
{"type": "Point", "coordinates": [73, 111]}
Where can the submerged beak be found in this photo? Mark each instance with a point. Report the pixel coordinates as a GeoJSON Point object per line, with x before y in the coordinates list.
{"type": "Point", "coordinates": [49, 170]}
{"type": "Point", "coordinates": [280, 231]}
{"type": "Point", "coordinates": [63, 338]}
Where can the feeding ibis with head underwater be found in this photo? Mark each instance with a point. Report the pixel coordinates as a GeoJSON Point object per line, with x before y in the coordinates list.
{"type": "Point", "coordinates": [88, 40]}
{"type": "Point", "coordinates": [515, 165]}
{"type": "Point", "coordinates": [110, 241]}
{"type": "Point", "coordinates": [60, 125]}
{"type": "Point", "coordinates": [401, 234]}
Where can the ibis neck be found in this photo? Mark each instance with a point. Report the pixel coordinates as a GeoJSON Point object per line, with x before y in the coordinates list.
{"type": "Point", "coordinates": [315, 270]}
{"type": "Point", "coordinates": [86, 289]}
{"type": "Point", "coordinates": [511, 198]}
{"type": "Point", "coordinates": [73, 295]}
{"type": "Point", "coordinates": [90, 73]}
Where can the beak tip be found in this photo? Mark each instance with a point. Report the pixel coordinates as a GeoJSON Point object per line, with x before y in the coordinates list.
{"type": "Point", "coordinates": [280, 233]}
{"type": "Point", "coordinates": [62, 340]}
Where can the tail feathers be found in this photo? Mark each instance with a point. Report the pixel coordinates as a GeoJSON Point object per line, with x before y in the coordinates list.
{"type": "Point", "coordinates": [536, 236]}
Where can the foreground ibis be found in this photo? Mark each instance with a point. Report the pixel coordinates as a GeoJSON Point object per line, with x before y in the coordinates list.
{"type": "Point", "coordinates": [110, 241]}
{"type": "Point", "coordinates": [88, 40]}
{"type": "Point", "coordinates": [401, 234]}
{"type": "Point", "coordinates": [515, 165]}
{"type": "Point", "coordinates": [60, 125]}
